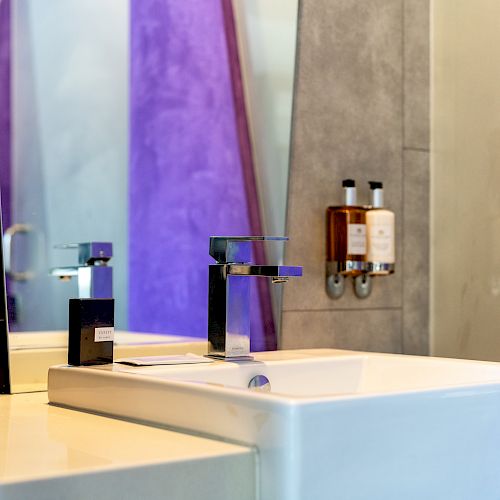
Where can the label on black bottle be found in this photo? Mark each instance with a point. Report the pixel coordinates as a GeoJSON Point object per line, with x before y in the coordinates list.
{"type": "Point", "coordinates": [356, 239]}
{"type": "Point", "coordinates": [104, 334]}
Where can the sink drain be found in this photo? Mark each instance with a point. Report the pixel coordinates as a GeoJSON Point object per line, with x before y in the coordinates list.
{"type": "Point", "coordinates": [260, 383]}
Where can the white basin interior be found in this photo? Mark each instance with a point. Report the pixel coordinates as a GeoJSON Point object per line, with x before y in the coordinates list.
{"type": "Point", "coordinates": [316, 376]}
{"type": "Point", "coordinates": [388, 420]}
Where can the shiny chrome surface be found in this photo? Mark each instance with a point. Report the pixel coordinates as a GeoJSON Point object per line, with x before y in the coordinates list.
{"type": "Point", "coordinates": [380, 267]}
{"type": "Point", "coordinates": [335, 285]}
{"type": "Point", "coordinates": [337, 271]}
{"type": "Point", "coordinates": [91, 253]}
{"type": "Point", "coordinates": [363, 286]}
{"type": "Point", "coordinates": [236, 249]}
{"type": "Point", "coordinates": [264, 271]}
{"type": "Point", "coordinates": [64, 272]}
{"type": "Point", "coordinates": [95, 277]}
{"type": "Point", "coordinates": [229, 293]}
{"type": "Point", "coordinates": [259, 383]}
{"type": "Point", "coordinates": [339, 267]}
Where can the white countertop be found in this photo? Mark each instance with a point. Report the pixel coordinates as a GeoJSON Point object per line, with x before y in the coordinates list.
{"type": "Point", "coordinates": [48, 452]}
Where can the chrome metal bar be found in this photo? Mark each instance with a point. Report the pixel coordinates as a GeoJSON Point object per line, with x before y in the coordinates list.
{"type": "Point", "coordinates": [64, 272]}
{"type": "Point", "coordinates": [264, 271]}
{"type": "Point", "coordinates": [95, 282]}
{"type": "Point", "coordinates": [236, 249]}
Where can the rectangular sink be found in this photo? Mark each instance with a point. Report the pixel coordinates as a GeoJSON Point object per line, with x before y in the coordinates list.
{"type": "Point", "coordinates": [317, 374]}
{"type": "Point", "coordinates": [335, 424]}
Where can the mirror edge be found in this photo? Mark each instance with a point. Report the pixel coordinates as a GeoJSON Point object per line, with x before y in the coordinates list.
{"type": "Point", "coordinates": [5, 387]}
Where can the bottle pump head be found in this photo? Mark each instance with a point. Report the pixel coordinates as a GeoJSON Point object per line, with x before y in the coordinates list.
{"type": "Point", "coordinates": [349, 191]}
{"type": "Point", "coordinates": [377, 194]}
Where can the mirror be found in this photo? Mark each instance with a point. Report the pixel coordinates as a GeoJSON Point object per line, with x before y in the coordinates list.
{"type": "Point", "coordinates": [69, 151]}
{"type": "Point", "coordinates": [151, 130]}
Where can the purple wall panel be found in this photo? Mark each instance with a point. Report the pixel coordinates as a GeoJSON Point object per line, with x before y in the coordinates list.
{"type": "Point", "coordinates": [5, 122]}
{"type": "Point", "coordinates": [186, 180]}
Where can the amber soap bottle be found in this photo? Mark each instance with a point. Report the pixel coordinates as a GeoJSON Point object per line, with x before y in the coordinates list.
{"type": "Point", "coordinates": [346, 233]}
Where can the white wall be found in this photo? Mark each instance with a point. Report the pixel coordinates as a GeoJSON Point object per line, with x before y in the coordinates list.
{"type": "Point", "coordinates": [465, 244]}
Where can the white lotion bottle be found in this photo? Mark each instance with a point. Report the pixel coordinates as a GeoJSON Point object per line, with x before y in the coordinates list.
{"type": "Point", "coordinates": [380, 237]}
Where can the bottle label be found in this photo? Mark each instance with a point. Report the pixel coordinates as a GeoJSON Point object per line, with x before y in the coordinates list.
{"type": "Point", "coordinates": [382, 242]}
{"type": "Point", "coordinates": [104, 334]}
{"type": "Point", "coordinates": [356, 239]}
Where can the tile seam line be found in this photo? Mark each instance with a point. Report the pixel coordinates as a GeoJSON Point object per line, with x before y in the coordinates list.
{"type": "Point", "coordinates": [399, 308]}
{"type": "Point", "coordinates": [420, 150]}
{"type": "Point", "coordinates": [403, 177]}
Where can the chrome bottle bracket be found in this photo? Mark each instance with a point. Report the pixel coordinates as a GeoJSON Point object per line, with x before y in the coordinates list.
{"type": "Point", "coordinates": [361, 272]}
{"type": "Point", "coordinates": [380, 267]}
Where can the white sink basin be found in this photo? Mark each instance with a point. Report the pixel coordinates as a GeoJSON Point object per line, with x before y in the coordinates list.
{"type": "Point", "coordinates": [336, 424]}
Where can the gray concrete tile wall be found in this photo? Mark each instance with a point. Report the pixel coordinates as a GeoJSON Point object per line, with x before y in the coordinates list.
{"type": "Point", "coordinates": [350, 117]}
{"type": "Point", "coordinates": [416, 254]}
{"type": "Point", "coordinates": [377, 330]}
{"type": "Point", "coordinates": [416, 74]}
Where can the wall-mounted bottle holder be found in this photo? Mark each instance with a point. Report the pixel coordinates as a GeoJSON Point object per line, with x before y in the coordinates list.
{"type": "Point", "coordinates": [362, 274]}
{"type": "Point", "coordinates": [360, 241]}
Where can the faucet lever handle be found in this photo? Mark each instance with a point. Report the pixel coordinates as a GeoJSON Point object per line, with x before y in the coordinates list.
{"type": "Point", "coordinates": [236, 249]}
{"type": "Point", "coordinates": [90, 252]}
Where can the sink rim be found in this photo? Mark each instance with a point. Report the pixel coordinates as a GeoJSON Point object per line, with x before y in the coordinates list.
{"type": "Point", "coordinates": [214, 389]}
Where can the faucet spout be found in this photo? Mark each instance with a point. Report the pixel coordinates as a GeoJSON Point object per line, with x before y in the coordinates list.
{"type": "Point", "coordinates": [264, 271]}
{"type": "Point", "coordinates": [64, 272]}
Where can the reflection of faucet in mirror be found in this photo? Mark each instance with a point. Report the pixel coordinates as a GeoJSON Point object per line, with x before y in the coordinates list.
{"type": "Point", "coordinates": [95, 277]}
{"type": "Point", "coordinates": [229, 293]}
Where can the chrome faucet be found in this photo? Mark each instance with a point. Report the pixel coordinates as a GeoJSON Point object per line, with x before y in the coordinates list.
{"type": "Point", "coordinates": [229, 293]}
{"type": "Point", "coordinates": [95, 277]}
